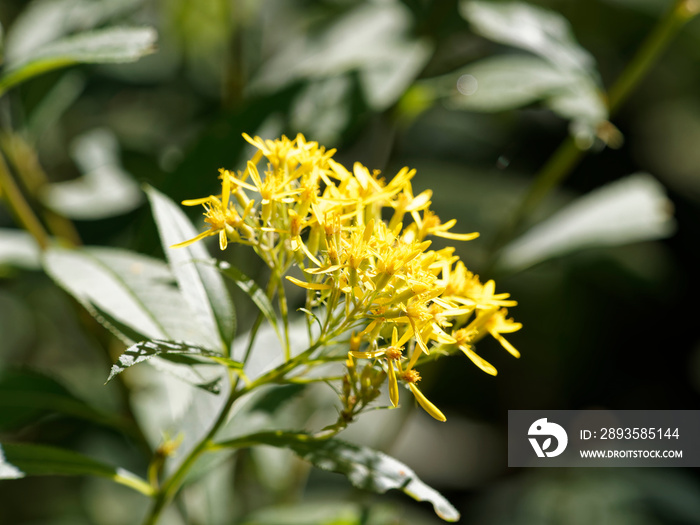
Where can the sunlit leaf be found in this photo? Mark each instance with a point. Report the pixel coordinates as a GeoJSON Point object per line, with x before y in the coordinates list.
{"type": "Point", "coordinates": [136, 291]}
{"type": "Point", "coordinates": [629, 210]}
{"type": "Point", "coordinates": [175, 351]}
{"type": "Point", "coordinates": [20, 460]}
{"type": "Point", "coordinates": [371, 39]}
{"type": "Point", "coordinates": [195, 271]}
{"type": "Point", "coordinates": [564, 77]}
{"type": "Point", "coordinates": [44, 21]}
{"type": "Point", "coordinates": [512, 81]}
{"type": "Point", "coordinates": [19, 249]}
{"type": "Point", "coordinates": [104, 190]}
{"type": "Point", "coordinates": [112, 45]}
{"type": "Point", "coordinates": [540, 31]}
{"type": "Point", "coordinates": [365, 468]}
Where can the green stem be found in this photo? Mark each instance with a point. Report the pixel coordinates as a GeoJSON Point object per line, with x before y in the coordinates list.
{"type": "Point", "coordinates": [650, 51]}
{"type": "Point", "coordinates": [19, 206]}
{"type": "Point", "coordinates": [270, 292]}
{"type": "Point", "coordinates": [568, 155]}
{"type": "Point", "coordinates": [170, 487]}
{"type": "Point", "coordinates": [284, 311]}
{"type": "Point", "coordinates": [23, 158]}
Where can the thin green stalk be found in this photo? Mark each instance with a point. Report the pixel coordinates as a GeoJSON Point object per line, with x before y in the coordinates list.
{"type": "Point", "coordinates": [568, 155]}
{"type": "Point", "coordinates": [650, 51]}
{"type": "Point", "coordinates": [170, 486]}
{"type": "Point", "coordinates": [19, 206]}
{"type": "Point", "coordinates": [284, 311]}
{"type": "Point", "coordinates": [270, 292]}
{"type": "Point", "coordinates": [25, 162]}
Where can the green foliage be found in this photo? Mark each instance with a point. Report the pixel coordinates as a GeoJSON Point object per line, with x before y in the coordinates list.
{"type": "Point", "coordinates": [365, 468]}
{"type": "Point", "coordinates": [115, 45]}
{"type": "Point", "coordinates": [104, 190]}
{"type": "Point", "coordinates": [26, 396]}
{"type": "Point", "coordinates": [452, 88]}
{"type": "Point", "coordinates": [200, 282]}
{"type": "Point", "coordinates": [564, 77]}
{"type": "Point", "coordinates": [176, 352]}
{"type": "Point", "coordinates": [135, 290]}
{"type": "Point", "coordinates": [19, 460]}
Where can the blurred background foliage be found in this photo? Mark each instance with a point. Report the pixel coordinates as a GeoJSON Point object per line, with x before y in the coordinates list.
{"type": "Point", "coordinates": [476, 96]}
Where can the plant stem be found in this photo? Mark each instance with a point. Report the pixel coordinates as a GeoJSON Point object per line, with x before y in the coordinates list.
{"type": "Point", "coordinates": [170, 487]}
{"type": "Point", "coordinates": [568, 155]}
{"type": "Point", "coordinates": [25, 162]}
{"type": "Point", "coordinates": [19, 206]}
{"type": "Point", "coordinates": [650, 51]}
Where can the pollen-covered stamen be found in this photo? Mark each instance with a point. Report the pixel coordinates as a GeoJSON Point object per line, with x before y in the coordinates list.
{"type": "Point", "coordinates": [463, 336]}
{"type": "Point", "coordinates": [394, 353]}
{"type": "Point", "coordinates": [410, 376]}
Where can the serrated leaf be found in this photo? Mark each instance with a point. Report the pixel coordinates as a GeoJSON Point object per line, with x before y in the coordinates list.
{"type": "Point", "coordinates": [629, 210]}
{"type": "Point", "coordinates": [20, 460]}
{"type": "Point", "coordinates": [540, 31]}
{"type": "Point", "coordinates": [26, 396]}
{"type": "Point", "coordinates": [365, 468]}
{"type": "Point", "coordinates": [104, 190]}
{"type": "Point", "coordinates": [112, 45]}
{"type": "Point", "coordinates": [194, 269]}
{"type": "Point", "coordinates": [174, 351]}
{"type": "Point", "coordinates": [252, 290]}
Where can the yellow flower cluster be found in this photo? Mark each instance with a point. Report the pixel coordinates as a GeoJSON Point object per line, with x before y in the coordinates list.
{"type": "Point", "coordinates": [361, 272]}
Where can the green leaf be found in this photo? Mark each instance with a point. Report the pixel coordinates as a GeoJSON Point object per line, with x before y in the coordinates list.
{"type": "Point", "coordinates": [564, 78]}
{"type": "Point", "coordinates": [112, 45]}
{"type": "Point", "coordinates": [135, 290]}
{"type": "Point", "coordinates": [20, 460]}
{"type": "Point", "coordinates": [629, 210]}
{"type": "Point", "coordinates": [104, 190]}
{"type": "Point", "coordinates": [194, 269]}
{"type": "Point", "coordinates": [365, 468]}
{"type": "Point", "coordinates": [538, 30]}
{"type": "Point", "coordinates": [370, 39]}
{"type": "Point", "coordinates": [512, 81]}
{"type": "Point", "coordinates": [26, 396]}
{"type": "Point", "coordinates": [176, 352]}
{"type": "Point", "coordinates": [19, 249]}
{"type": "Point", "coordinates": [44, 21]}
{"type": "Point", "coordinates": [252, 290]}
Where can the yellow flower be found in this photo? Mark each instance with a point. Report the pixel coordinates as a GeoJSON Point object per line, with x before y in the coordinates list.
{"type": "Point", "coordinates": [221, 218]}
{"type": "Point", "coordinates": [362, 244]}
